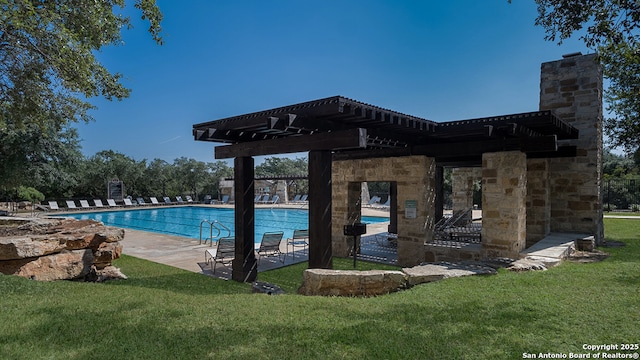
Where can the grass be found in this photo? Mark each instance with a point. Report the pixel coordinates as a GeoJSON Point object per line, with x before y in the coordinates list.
{"type": "Point", "coordinates": [162, 312]}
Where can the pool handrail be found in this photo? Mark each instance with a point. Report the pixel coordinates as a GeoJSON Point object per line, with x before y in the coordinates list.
{"type": "Point", "coordinates": [219, 228]}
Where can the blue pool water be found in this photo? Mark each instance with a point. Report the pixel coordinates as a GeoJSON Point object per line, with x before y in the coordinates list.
{"type": "Point", "coordinates": [185, 221]}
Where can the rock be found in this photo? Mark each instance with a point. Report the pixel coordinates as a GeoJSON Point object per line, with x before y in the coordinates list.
{"type": "Point", "coordinates": [56, 249]}
{"type": "Point", "coordinates": [62, 266]}
{"type": "Point", "coordinates": [443, 270]}
{"type": "Point", "coordinates": [14, 248]}
{"type": "Point", "coordinates": [527, 264]}
{"type": "Point", "coordinates": [351, 282]}
{"type": "Point", "coordinates": [105, 274]}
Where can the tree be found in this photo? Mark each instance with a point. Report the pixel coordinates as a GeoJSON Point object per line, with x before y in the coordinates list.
{"type": "Point", "coordinates": [612, 28]}
{"type": "Point", "coordinates": [47, 64]}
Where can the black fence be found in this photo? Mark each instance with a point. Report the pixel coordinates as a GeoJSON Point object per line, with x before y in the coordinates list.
{"type": "Point", "coordinates": [621, 194]}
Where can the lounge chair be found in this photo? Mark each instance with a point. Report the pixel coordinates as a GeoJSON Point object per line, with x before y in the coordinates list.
{"type": "Point", "coordinates": [84, 204]}
{"type": "Point", "coordinates": [300, 239]}
{"type": "Point", "coordinates": [179, 200]}
{"type": "Point", "coordinates": [127, 202]}
{"type": "Point", "coordinates": [270, 245]}
{"type": "Point", "coordinates": [303, 198]}
{"type": "Point", "coordinates": [224, 252]}
{"type": "Point", "coordinates": [296, 199]}
{"type": "Point", "coordinates": [141, 201]}
{"type": "Point", "coordinates": [257, 199]}
{"type": "Point", "coordinates": [167, 200]}
{"type": "Point", "coordinates": [264, 199]}
{"type": "Point", "coordinates": [225, 200]}
{"type": "Point", "coordinates": [53, 205]}
{"type": "Point", "coordinates": [189, 198]}
{"type": "Point", "coordinates": [98, 203]}
{"type": "Point", "coordinates": [154, 201]}
{"type": "Point", "coordinates": [112, 203]}
{"type": "Point", "coordinates": [274, 199]}
{"type": "Point", "coordinates": [71, 205]}
{"type": "Point", "coordinates": [374, 200]}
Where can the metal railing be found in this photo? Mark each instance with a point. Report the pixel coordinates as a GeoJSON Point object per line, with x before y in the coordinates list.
{"type": "Point", "coordinates": [219, 228]}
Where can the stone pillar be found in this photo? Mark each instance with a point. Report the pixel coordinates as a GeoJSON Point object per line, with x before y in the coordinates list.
{"type": "Point", "coordinates": [504, 191]}
{"type": "Point", "coordinates": [414, 176]}
{"type": "Point", "coordinates": [538, 201]}
{"type": "Point", "coordinates": [281, 191]}
{"type": "Point", "coordinates": [572, 88]}
{"type": "Point", "coordinates": [462, 188]}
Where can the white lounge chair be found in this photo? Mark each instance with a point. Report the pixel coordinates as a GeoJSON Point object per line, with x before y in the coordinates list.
{"type": "Point", "coordinates": [154, 201]}
{"type": "Point", "coordinates": [98, 203]}
{"type": "Point", "coordinates": [112, 203]}
{"type": "Point", "coordinates": [84, 204]}
{"type": "Point", "coordinates": [53, 205]}
{"type": "Point", "coordinates": [127, 202]}
{"type": "Point", "coordinates": [71, 205]}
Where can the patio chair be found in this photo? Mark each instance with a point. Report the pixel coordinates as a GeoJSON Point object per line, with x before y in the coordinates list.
{"type": "Point", "coordinates": [127, 202]}
{"type": "Point", "coordinates": [224, 252]}
{"type": "Point", "coordinates": [270, 245]}
{"type": "Point", "coordinates": [98, 203]}
{"type": "Point", "coordinates": [189, 198]}
{"type": "Point", "coordinates": [154, 201]}
{"type": "Point", "coordinates": [84, 204]}
{"type": "Point", "coordinates": [374, 200]}
{"type": "Point", "coordinates": [141, 201]}
{"type": "Point", "coordinates": [264, 199]}
{"type": "Point", "coordinates": [167, 200]}
{"type": "Point", "coordinates": [296, 199]}
{"type": "Point", "coordinates": [303, 198]}
{"type": "Point", "coordinates": [179, 200]}
{"type": "Point", "coordinates": [112, 203]}
{"type": "Point", "coordinates": [71, 205]}
{"type": "Point", "coordinates": [257, 199]}
{"type": "Point", "coordinates": [53, 205]}
{"type": "Point", "coordinates": [274, 199]}
{"type": "Point", "coordinates": [300, 239]}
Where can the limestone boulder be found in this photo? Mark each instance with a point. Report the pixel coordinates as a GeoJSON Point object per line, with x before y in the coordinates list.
{"type": "Point", "coordinates": [443, 270]}
{"type": "Point", "coordinates": [67, 265]}
{"type": "Point", "coordinates": [60, 249]}
{"type": "Point", "coordinates": [14, 248]}
{"type": "Point", "coordinates": [351, 282]}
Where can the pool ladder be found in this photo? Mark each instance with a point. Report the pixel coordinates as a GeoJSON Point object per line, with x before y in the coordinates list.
{"type": "Point", "coordinates": [215, 224]}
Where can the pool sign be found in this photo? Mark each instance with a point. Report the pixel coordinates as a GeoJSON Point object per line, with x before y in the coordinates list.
{"type": "Point", "coordinates": [410, 209]}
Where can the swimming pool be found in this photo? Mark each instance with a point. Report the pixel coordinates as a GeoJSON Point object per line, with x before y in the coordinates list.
{"type": "Point", "coordinates": [185, 220]}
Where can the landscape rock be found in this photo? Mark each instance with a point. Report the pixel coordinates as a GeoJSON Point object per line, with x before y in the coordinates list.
{"type": "Point", "coordinates": [57, 249]}
{"type": "Point", "coordinates": [529, 264]}
{"type": "Point", "coordinates": [443, 270]}
{"type": "Point", "coordinates": [351, 282]}
{"type": "Point", "coordinates": [62, 266]}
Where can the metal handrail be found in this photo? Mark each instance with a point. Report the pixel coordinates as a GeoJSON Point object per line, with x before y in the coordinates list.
{"type": "Point", "coordinates": [219, 228]}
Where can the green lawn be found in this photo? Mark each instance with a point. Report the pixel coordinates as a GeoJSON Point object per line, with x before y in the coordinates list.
{"type": "Point", "coordinates": [166, 313]}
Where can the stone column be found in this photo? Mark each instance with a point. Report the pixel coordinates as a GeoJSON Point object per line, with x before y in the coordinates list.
{"type": "Point", "coordinates": [504, 191]}
{"type": "Point", "coordinates": [538, 201]}
{"type": "Point", "coordinates": [414, 176]}
{"type": "Point", "coordinates": [462, 188]}
{"type": "Point", "coordinates": [281, 191]}
{"type": "Point", "coordinates": [572, 88]}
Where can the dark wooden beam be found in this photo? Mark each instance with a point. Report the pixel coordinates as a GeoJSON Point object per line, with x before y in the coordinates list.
{"type": "Point", "coordinates": [335, 140]}
{"type": "Point", "coordinates": [439, 190]}
{"type": "Point", "coordinates": [320, 250]}
{"type": "Point", "coordinates": [244, 264]}
{"type": "Point", "coordinates": [393, 207]}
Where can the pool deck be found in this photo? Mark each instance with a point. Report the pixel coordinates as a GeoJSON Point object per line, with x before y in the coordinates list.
{"type": "Point", "coordinates": [188, 254]}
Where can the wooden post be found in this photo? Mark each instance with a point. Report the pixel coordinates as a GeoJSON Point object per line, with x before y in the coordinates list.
{"type": "Point", "coordinates": [320, 252]}
{"type": "Point", "coordinates": [393, 207]}
{"type": "Point", "coordinates": [244, 264]}
{"type": "Point", "coordinates": [439, 201]}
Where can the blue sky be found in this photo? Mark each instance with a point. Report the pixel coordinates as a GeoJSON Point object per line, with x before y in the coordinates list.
{"type": "Point", "coordinates": [440, 60]}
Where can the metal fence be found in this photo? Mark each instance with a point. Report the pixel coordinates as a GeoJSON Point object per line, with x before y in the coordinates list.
{"type": "Point", "coordinates": [621, 194]}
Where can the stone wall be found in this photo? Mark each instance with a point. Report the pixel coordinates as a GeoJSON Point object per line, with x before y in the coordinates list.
{"type": "Point", "coordinates": [462, 188]}
{"type": "Point", "coordinates": [504, 186]}
{"type": "Point", "coordinates": [572, 88]}
{"type": "Point", "coordinates": [59, 249]}
{"type": "Point", "coordinates": [538, 201]}
{"type": "Point", "coordinates": [415, 182]}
